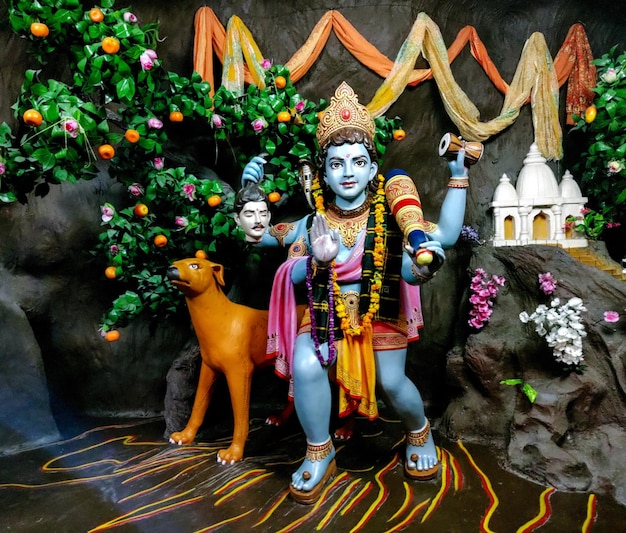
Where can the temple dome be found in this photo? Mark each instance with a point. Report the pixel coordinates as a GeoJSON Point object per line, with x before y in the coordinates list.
{"type": "Point", "coordinates": [568, 187]}
{"type": "Point", "coordinates": [536, 183]}
{"type": "Point", "coordinates": [505, 193]}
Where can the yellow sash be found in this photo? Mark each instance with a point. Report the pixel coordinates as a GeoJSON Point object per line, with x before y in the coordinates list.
{"type": "Point", "coordinates": [356, 374]}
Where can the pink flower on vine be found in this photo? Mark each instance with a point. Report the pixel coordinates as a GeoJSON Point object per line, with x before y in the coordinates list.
{"type": "Point", "coordinates": [259, 124]}
{"type": "Point", "coordinates": [3, 168]}
{"type": "Point", "coordinates": [300, 106]}
{"type": "Point", "coordinates": [130, 17]}
{"type": "Point", "coordinates": [71, 127]}
{"type": "Point", "coordinates": [135, 189]}
{"type": "Point", "coordinates": [190, 191]}
{"type": "Point", "coordinates": [107, 212]}
{"type": "Point", "coordinates": [610, 76]}
{"type": "Point", "coordinates": [615, 167]}
{"type": "Point", "coordinates": [217, 121]}
{"type": "Point", "coordinates": [155, 123]}
{"type": "Point", "coordinates": [547, 283]}
{"type": "Point", "coordinates": [158, 163]}
{"type": "Point", "coordinates": [611, 316]}
{"type": "Point", "coordinates": [266, 64]}
{"type": "Point", "coordinates": [114, 249]}
{"type": "Point", "coordinates": [181, 222]}
{"type": "Point", "coordinates": [146, 62]}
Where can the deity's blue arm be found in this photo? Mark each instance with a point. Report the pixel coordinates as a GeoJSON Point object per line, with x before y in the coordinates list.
{"type": "Point", "coordinates": [451, 218]}
{"type": "Point", "coordinates": [452, 211]}
{"type": "Point", "coordinates": [268, 240]}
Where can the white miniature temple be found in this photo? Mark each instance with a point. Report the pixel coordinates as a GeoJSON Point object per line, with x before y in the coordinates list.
{"type": "Point", "coordinates": [535, 211]}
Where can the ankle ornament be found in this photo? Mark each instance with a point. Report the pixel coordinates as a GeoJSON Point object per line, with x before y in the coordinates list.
{"type": "Point", "coordinates": [318, 452]}
{"type": "Point", "coordinates": [419, 438]}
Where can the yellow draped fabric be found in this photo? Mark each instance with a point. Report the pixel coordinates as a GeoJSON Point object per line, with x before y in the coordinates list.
{"type": "Point", "coordinates": [239, 46]}
{"type": "Point", "coordinates": [536, 80]}
{"type": "Point", "coordinates": [356, 374]}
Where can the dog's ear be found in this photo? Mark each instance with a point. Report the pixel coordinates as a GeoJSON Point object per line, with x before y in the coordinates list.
{"type": "Point", "coordinates": [218, 273]}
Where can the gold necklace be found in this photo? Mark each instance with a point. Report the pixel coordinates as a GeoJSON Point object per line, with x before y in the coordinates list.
{"type": "Point", "coordinates": [346, 213]}
{"type": "Point", "coordinates": [379, 259]}
{"type": "Point", "coordinates": [348, 228]}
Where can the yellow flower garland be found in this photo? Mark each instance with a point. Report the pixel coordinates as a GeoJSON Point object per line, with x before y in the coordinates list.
{"type": "Point", "coordinates": [379, 258]}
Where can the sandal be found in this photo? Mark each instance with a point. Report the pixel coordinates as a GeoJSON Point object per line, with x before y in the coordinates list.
{"type": "Point", "coordinates": [419, 438]}
{"type": "Point", "coordinates": [315, 453]}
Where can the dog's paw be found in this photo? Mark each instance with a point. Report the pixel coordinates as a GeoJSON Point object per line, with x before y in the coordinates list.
{"type": "Point", "coordinates": [230, 455]}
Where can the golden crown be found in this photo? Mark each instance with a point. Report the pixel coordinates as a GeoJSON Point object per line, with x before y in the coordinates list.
{"type": "Point", "coordinates": [344, 111]}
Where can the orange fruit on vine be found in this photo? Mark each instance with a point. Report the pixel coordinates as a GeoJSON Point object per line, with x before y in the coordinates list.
{"type": "Point", "coordinates": [160, 241]}
{"type": "Point", "coordinates": [112, 335]}
{"type": "Point", "coordinates": [214, 200]}
{"type": "Point", "coordinates": [110, 272]}
{"type": "Point", "coordinates": [96, 15]}
{"type": "Point", "coordinates": [39, 29]}
{"type": "Point", "coordinates": [200, 254]}
{"type": "Point", "coordinates": [106, 151]}
{"type": "Point", "coordinates": [141, 210]}
{"type": "Point", "coordinates": [590, 114]}
{"type": "Point", "coordinates": [176, 116]}
{"type": "Point", "coordinates": [283, 116]}
{"type": "Point", "coordinates": [320, 115]}
{"type": "Point", "coordinates": [280, 82]}
{"type": "Point", "coordinates": [273, 197]}
{"type": "Point", "coordinates": [110, 45]}
{"type": "Point", "coordinates": [398, 135]}
{"type": "Point", "coordinates": [32, 117]}
{"type": "Point", "coordinates": [132, 136]}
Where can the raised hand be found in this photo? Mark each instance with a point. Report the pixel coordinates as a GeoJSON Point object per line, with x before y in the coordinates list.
{"type": "Point", "coordinates": [457, 166]}
{"type": "Point", "coordinates": [253, 171]}
{"type": "Point", "coordinates": [324, 241]}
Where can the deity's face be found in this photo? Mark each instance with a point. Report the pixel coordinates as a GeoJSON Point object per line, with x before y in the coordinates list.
{"type": "Point", "coordinates": [253, 219]}
{"type": "Point", "coordinates": [348, 169]}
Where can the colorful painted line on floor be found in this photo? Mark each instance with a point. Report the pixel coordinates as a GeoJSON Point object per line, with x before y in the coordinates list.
{"type": "Point", "coordinates": [344, 495]}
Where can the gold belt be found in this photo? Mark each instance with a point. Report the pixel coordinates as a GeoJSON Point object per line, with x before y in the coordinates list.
{"type": "Point", "coordinates": [351, 303]}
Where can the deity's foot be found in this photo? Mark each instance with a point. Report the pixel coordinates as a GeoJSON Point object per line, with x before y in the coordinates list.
{"type": "Point", "coordinates": [345, 432]}
{"type": "Point", "coordinates": [283, 417]}
{"type": "Point", "coordinates": [318, 467]}
{"type": "Point", "coordinates": [421, 454]}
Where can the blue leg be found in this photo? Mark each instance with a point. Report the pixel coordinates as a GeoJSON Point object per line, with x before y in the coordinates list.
{"type": "Point", "coordinates": [402, 394]}
{"type": "Point", "coordinates": [312, 398]}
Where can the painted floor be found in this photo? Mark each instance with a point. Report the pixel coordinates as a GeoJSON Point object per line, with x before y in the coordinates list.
{"type": "Point", "coordinates": [125, 477]}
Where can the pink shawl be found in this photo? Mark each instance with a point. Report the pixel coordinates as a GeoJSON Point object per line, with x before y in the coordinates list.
{"type": "Point", "coordinates": [283, 327]}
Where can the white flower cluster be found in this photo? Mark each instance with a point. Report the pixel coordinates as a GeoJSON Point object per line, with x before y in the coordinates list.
{"type": "Point", "coordinates": [562, 327]}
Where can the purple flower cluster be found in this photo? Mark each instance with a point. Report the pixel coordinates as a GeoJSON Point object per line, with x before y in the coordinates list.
{"type": "Point", "coordinates": [484, 290]}
{"type": "Point", "coordinates": [547, 283]}
{"type": "Point", "coordinates": [469, 234]}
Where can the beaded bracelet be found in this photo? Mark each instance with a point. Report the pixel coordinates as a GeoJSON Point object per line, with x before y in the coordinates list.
{"type": "Point", "coordinates": [458, 183]}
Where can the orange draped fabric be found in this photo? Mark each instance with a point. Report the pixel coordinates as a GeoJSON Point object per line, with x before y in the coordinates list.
{"type": "Point", "coordinates": [572, 63]}
{"type": "Point", "coordinates": [573, 59]}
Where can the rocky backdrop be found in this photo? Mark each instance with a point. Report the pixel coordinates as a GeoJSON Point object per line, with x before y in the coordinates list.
{"type": "Point", "coordinates": [54, 367]}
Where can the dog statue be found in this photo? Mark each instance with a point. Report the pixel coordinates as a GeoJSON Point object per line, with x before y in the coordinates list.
{"type": "Point", "coordinates": [232, 340]}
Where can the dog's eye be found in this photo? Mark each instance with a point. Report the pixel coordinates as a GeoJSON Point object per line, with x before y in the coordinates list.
{"type": "Point", "coordinates": [194, 266]}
